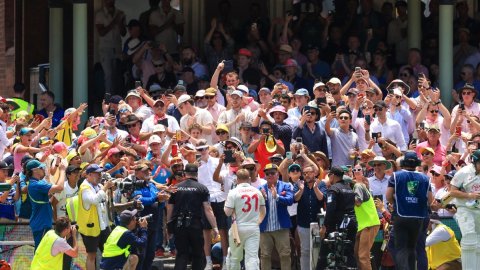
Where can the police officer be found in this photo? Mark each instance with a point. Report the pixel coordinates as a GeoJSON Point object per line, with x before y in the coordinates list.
{"type": "Point", "coordinates": [340, 202]}
{"type": "Point", "coordinates": [116, 252]}
{"type": "Point", "coordinates": [466, 188]}
{"type": "Point", "coordinates": [184, 213]}
{"type": "Point", "coordinates": [409, 191]}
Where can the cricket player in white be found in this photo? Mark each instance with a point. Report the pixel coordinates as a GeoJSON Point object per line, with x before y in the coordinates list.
{"type": "Point", "coordinates": [247, 205]}
{"type": "Point", "coordinates": [466, 188]}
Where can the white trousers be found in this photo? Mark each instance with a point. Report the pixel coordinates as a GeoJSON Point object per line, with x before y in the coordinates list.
{"type": "Point", "coordinates": [250, 242]}
{"type": "Point", "coordinates": [469, 222]}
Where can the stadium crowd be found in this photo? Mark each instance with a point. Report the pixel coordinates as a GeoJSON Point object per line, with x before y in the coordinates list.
{"type": "Point", "coordinates": [242, 145]}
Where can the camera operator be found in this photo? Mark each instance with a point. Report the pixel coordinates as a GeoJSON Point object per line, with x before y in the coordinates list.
{"type": "Point", "coordinates": [340, 202]}
{"type": "Point", "coordinates": [49, 254]}
{"type": "Point", "coordinates": [116, 253]}
{"type": "Point", "coordinates": [92, 217]}
{"type": "Point", "coordinates": [150, 197]}
{"type": "Point", "coordinates": [184, 216]}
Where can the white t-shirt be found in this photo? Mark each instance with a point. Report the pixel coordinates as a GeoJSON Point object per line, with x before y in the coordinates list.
{"type": "Point", "coordinates": [62, 197]}
{"type": "Point", "coordinates": [168, 36]}
{"type": "Point", "coordinates": [112, 39]}
{"type": "Point", "coordinates": [60, 246]}
{"type": "Point", "coordinates": [122, 134]}
{"type": "Point", "coordinates": [148, 124]}
{"type": "Point", "coordinates": [246, 201]}
{"type": "Point", "coordinates": [203, 118]}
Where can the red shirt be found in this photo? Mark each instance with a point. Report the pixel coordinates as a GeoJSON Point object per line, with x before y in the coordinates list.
{"type": "Point", "coordinates": [261, 155]}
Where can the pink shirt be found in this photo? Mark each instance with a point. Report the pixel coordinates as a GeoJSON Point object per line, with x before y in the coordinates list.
{"type": "Point", "coordinates": [440, 152]}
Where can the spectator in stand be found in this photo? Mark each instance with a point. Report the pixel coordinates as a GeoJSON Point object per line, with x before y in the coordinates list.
{"type": "Point", "coordinates": [463, 19]}
{"type": "Point", "coordinates": [380, 69]}
{"type": "Point", "coordinates": [433, 142]}
{"type": "Point", "coordinates": [192, 114]}
{"type": "Point", "coordinates": [436, 114]}
{"type": "Point", "coordinates": [467, 95]}
{"type": "Point", "coordinates": [165, 25]}
{"type": "Point", "coordinates": [275, 226]}
{"type": "Point", "coordinates": [144, 17]}
{"type": "Point", "coordinates": [462, 51]}
{"type": "Point", "coordinates": [344, 142]}
{"type": "Point", "coordinates": [315, 67]}
{"type": "Point", "coordinates": [415, 62]}
{"type": "Point", "coordinates": [266, 145]}
{"type": "Point", "coordinates": [233, 117]}
{"type": "Point", "coordinates": [281, 130]}
{"type": "Point", "coordinates": [187, 76]}
{"type": "Point", "coordinates": [110, 24]}
{"type": "Point", "coordinates": [248, 74]}
{"type": "Point", "coordinates": [218, 45]}
{"type": "Point", "coordinates": [8, 197]}
{"type": "Point", "coordinates": [301, 100]}
{"type": "Point", "coordinates": [292, 76]}
{"type": "Point", "coordinates": [397, 32]}
{"type": "Point", "coordinates": [398, 113]}
{"type": "Point", "coordinates": [48, 106]}
{"type": "Point", "coordinates": [313, 136]}
{"type": "Point", "coordinates": [467, 75]}
{"type": "Point", "coordinates": [162, 77]}
{"type": "Point", "coordinates": [378, 182]}
{"type": "Point", "coordinates": [189, 59]}
{"type": "Point", "coordinates": [159, 117]}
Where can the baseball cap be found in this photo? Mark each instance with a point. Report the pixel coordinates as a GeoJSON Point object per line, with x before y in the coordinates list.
{"type": "Point", "coordinates": [89, 133]}
{"type": "Point", "coordinates": [45, 140]}
{"type": "Point", "coordinates": [113, 151]}
{"type": "Point", "coordinates": [301, 92]}
{"type": "Point", "coordinates": [276, 157]}
{"type": "Point", "coordinates": [433, 127]}
{"type": "Point", "coordinates": [35, 164]}
{"type": "Point", "coordinates": [338, 171]}
{"type": "Point", "coordinates": [94, 168]}
{"type": "Point", "coordinates": [25, 131]}
{"type": "Point", "coordinates": [59, 147]}
{"type": "Point", "coordinates": [179, 87]}
{"type": "Point", "coordinates": [286, 48]}
{"type": "Point", "coordinates": [293, 166]}
{"type": "Point", "coordinates": [290, 63]}
{"type": "Point", "coordinates": [248, 161]}
{"type": "Point", "coordinates": [318, 84]}
{"type": "Point", "coordinates": [265, 89]}
{"type": "Point", "coordinates": [243, 88]}
{"type": "Point", "coordinates": [71, 154]}
{"type": "Point", "coordinates": [183, 98]}
{"type": "Point", "coordinates": [237, 92]}
{"type": "Point", "coordinates": [154, 139]}
{"type": "Point", "coordinates": [210, 91]}
{"type": "Point", "coordinates": [451, 174]}
{"type": "Point", "coordinates": [132, 93]}
{"type": "Point", "coordinates": [200, 93]}
{"type": "Point", "coordinates": [270, 166]}
{"type": "Point", "coordinates": [334, 80]}
{"type": "Point", "coordinates": [245, 52]}
{"type": "Point", "coordinates": [191, 168]}
{"type": "Point", "coordinates": [234, 140]}
{"type": "Point", "coordinates": [353, 91]}
{"type": "Point", "coordinates": [158, 128]}
{"type": "Point", "coordinates": [410, 159]}
{"type": "Point", "coordinates": [429, 149]}
{"type": "Point", "coordinates": [115, 99]}
{"type": "Point", "coordinates": [222, 127]}
{"type": "Point", "coordinates": [126, 216]}
{"type": "Point", "coordinates": [4, 165]}
{"type": "Point", "coordinates": [69, 111]}
{"type": "Point", "coordinates": [437, 169]}
{"type": "Point", "coordinates": [70, 169]}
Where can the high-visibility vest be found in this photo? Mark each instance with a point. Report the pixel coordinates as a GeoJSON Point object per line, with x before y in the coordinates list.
{"type": "Point", "coordinates": [444, 252]}
{"type": "Point", "coordinates": [366, 214]}
{"type": "Point", "coordinates": [87, 220]}
{"type": "Point", "coordinates": [43, 259]}
{"type": "Point", "coordinates": [72, 208]}
{"type": "Point", "coordinates": [111, 249]}
{"type": "Point", "coordinates": [22, 106]}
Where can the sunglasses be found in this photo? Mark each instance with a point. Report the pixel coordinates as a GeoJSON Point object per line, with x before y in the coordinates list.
{"type": "Point", "coordinates": [404, 74]}
{"type": "Point", "coordinates": [378, 109]}
{"type": "Point", "coordinates": [209, 97]}
{"type": "Point", "coordinates": [323, 90]}
{"type": "Point", "coordinates": [377, 164]}
{"type": "Point", "coordinates": [357, 170]}
{"type": "Point", "coordinates": [198, 98]}
{"type": "Point", "coordinates": [344, 118]}
{"type": "Point", "coordinates": [435, 174]}
{"type": "Point", "coordinates": [426, 154]}
{"type": "Point", "coordinates": [434, 111]}
{"type": "Point", "coordinates": [467, 93]}
{"type": "Point", "coordinates": [251, 168]}
{"type": "Point", "coordinates": [202, 149]}
{"type": "Point", "coordinates": [312, 112]}
{"type": "Point", "coordinates": [132, 125]}
{"type": "Point", "coordinates": [294, 170]}
{"type": "Point", "coordinates": [270, 173]}
{"type": "Point", "coordinates": [398, 97]}
{"type": "Point", "coordinates": [221, 133]}
{"type": "Point", "coordinates": [160, 65]}
{"type": "Point", "coordinates": [159, 105]}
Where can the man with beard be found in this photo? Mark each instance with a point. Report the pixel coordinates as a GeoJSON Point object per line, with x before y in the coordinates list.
{"type": "Point", "coordinates": [189, 59]}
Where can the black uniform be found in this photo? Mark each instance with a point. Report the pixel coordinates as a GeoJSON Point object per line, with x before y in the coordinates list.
{"type": "Point", "coordinates": [340, 201]}
{"type": "Point", "coordinates": [186, 223]}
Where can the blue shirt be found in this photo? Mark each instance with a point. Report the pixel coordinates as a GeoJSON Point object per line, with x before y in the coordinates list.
{"type": "Point", "coordinates": [42, 214]}
{"type": "Point", "coordinates": [58, 114]}
{"type": "Point", "coordinates": [308, 205]}
{"type": "Point", "coordinates": [109, 166]}
{"type": "Point", "coordinates": [164, 173]}
{"type": "Point", "coordinates": [316, 141]}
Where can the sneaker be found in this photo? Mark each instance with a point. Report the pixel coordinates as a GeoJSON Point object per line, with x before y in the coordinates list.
{"type": "Point", "coordinates": [209, 266]}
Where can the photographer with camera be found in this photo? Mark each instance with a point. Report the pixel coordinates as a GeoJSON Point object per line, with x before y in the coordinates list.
{"type": "Point", "coordinates": [49, 254]}
{"type": "Point", "coordinates": [339, 220]}
{"type": "Point", "coordinates": [150, 197]}
{"type": "Point", "coordinates": [92, 217]}
{"type": "Point", "coordinates": [116, 253]}
{"type": "Point", "coordinates": [184, 215]}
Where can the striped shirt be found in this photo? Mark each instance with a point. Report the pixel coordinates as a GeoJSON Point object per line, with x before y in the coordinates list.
{"type": "Point", "coordinates": [272, 223]}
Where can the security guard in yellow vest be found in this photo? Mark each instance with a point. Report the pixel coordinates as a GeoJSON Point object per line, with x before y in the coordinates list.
{"type": "Point", "coordinates": [443, 250]}
{"type": "Point", "coordinates": [368, 224]}
{"type": "Point", "coordinates": [91, 215]}
{"type": "Point", "coordinates": [116, 253]}
{"type": "Point", "coordinates": [49, 254]}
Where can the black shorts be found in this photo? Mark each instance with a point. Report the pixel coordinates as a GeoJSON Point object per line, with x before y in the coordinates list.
{"type": "Point", "coordinates": [93, 242]}
{"type": "Point", "coordinates": [220, 216]}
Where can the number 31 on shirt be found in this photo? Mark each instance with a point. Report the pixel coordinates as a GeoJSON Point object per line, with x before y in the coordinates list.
{"type": "Point", "coordinates": [248, 202]}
